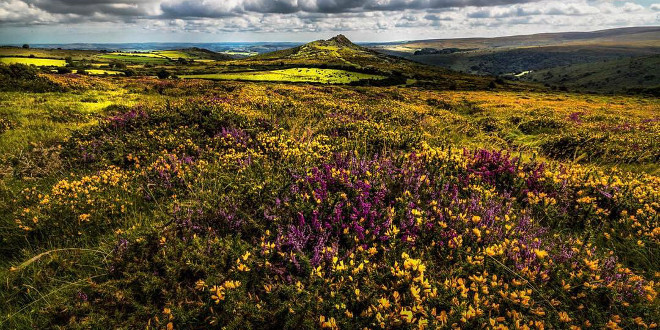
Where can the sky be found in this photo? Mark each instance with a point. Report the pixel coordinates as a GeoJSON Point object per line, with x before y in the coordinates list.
{"type": "Point", "coordinates": [115, 21]}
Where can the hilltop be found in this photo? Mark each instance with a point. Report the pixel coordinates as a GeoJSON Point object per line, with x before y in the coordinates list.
{"type": "Point", "coordinates": [337, 51]}
{"type": "Point", "coordinates": [340, 52]}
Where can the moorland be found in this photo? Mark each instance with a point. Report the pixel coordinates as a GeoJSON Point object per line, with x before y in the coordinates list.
{"type": "Point", "coordinates": [616, 60]}
{"type": "Point", "coordinates": [323, 186]}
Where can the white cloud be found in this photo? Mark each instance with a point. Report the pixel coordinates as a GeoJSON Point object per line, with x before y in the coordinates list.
{"type": "Point", "coordinates": [390, 19]}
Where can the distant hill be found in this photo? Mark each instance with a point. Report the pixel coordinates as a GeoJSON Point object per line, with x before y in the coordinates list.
{"type": "Point", "coordinates": [335, 52]}
{"type": "Point", "coordinates": [202, 53]}
{"type": "Point", "coordinates": [339, 52]}
{"type": "Point", "coordinates": [547, 52]}
{"type": "Point", "coordinates": [627, 37]}
{"type": "Point", "coordinates": [628, 75]}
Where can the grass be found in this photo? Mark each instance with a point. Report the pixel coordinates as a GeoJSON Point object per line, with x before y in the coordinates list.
{"type": "Point", "coordinates": [48, 53]}
{"type": "Point", "coordinates": [173, 54]}
{"type": "Point", "coordinates": [150, 54]}
{"type": "Point", "coordinates": [309, 75]}
{"type": "Point", "coordinates": [48, 118]}
{"type": "Point", "coordinates": [134, 58]}
{"type": "Point", "coordinates": [32, 61]}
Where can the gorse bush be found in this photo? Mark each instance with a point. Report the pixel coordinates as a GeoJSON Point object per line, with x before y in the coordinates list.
{"type": "Point", "coordinates": [20, 77]}
{"type": "Point", "coordinates": [272, 206]}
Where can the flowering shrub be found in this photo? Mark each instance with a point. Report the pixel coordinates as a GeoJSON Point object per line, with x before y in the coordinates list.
{"type": "Point", "coordinates": [253, 205]}
{"type": "Point", "coordinates": [91, 201]}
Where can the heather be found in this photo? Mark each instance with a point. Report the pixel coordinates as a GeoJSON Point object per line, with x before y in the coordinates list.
{"type": "Point", "coordinates": [193, 204]}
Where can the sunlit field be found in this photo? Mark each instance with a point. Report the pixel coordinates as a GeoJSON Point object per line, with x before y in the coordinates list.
{"type": "Point", "coordinates": [32, 61]}
{"type": "Point", "coordinates": [134, 58]}
{"type": "Point", "coordinates": [324, 76]}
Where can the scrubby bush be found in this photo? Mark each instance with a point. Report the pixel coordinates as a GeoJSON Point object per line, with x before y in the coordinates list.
{"type": "Point", "coordinates": [20, 77]}
{"type": "Point", "coordinates": [163, 74]}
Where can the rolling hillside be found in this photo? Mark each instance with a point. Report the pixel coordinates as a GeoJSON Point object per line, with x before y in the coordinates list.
{"type": "Point", "coordinates": [337, 51]}
{"type": "Point", "coordinates": [340, 53]}
{"type": "Point", "coordinates": [510, 56]}
{"type": "Point", "coordinates": [630, 37]}
{"type": "Point", "coordinates": [628, 75]}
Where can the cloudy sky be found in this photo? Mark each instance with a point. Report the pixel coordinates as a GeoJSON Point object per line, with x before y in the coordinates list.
{"type": "Point", "coordinates": [68, 21]}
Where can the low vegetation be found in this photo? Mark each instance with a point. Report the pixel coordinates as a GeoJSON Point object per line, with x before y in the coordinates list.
{"type": "Point", "coordinates": [132, 202]}
{"type": "Point", "coordinates": [629, 75]}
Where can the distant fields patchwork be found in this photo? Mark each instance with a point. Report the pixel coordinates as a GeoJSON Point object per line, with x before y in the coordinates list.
{"type": "Point", "coordinates": [326, 76]}
{"type": "Point", "coordinates": [32, 61]}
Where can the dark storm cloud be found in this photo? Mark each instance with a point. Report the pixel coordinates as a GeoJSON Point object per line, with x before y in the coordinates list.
{"type": "Point", "coordinates": [196, 9]}
{"type": "Point", "coordinates": [433, 4]}
{"type": "Point", "coordinates": [126, 8]}
{"type": "Point", "coordinates": [275, 6]}
{"type": "Point", "coordinates": [217, 8]}
{"type": "Point", "coordinates": [66, 11]}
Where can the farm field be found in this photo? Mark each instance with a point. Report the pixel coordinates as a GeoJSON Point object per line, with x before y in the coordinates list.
{"type": "Point", "coordinates": [134, 58]}
{"type": "Point", "coordinates": [32, 61]}
{"type": "Point", "coordinates": [212, 198]}
{"type": "Point", "coordinates": [173, 54]}
{"type": "Point", "coordinates": [325, 76]}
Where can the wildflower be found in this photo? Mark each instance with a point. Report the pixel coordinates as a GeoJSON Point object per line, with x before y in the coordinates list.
{"type": "Point", "coordinates": [406, 315]}
{"type": "Point", "coordinates": [327, 323]}
{"type": "Point", "coordinates": [540, 253]}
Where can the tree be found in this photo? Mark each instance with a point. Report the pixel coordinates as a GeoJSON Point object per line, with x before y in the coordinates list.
{"type": "Point", "coordinates": [163, 74]}
{"type": "Point", "coordinates": [26, 46]}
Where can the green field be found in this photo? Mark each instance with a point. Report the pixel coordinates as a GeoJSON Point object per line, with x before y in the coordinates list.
{"type": "Point", "coordinates": [134, 58]}
{"type": "Point", "coordinates": [32, 61]}
{"type": "Point", "coordinates": [326, 76]}
{"type": "Point", "coordinates": [154, 54]}
{"type": "Point", "coordinates": [173, 54]}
